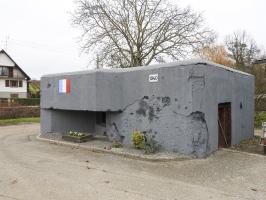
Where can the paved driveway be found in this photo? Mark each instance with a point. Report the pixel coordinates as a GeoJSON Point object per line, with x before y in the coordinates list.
{"type": "Point", "coordinates": [30, 169]}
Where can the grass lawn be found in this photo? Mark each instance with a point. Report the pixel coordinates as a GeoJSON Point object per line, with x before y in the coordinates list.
{"type": "Point", "coordinates": [6, 122]}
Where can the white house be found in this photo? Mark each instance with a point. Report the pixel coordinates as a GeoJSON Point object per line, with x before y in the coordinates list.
{"type": "Point", "coordinates": [13, 80]}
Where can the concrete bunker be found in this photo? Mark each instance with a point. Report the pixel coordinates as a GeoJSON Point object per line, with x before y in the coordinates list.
{"type": "Point", "coordinates": [184, 105]}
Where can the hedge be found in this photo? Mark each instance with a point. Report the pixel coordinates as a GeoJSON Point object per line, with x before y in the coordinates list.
{"type": "Point", "coordinates": [20, 101]}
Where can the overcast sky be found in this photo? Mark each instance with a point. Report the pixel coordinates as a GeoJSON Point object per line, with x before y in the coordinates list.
{"type": "Point", "coordinates": [41, 40]}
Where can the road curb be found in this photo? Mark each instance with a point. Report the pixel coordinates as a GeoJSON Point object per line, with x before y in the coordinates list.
{"type": "Point", "coordinates": [121, 154]}
{"type": "Point", "coordinates": [242, 152]}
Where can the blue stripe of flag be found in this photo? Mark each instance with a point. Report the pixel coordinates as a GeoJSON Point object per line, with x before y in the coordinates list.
{"type": "Point", "coordinates": [61, 86]}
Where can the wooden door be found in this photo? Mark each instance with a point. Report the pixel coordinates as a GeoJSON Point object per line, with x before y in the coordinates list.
{"type": "Point", "coordinates": [224, 124]}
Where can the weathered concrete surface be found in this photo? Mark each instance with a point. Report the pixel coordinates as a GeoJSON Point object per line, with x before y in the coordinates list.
{"type": "Point", "coordinates": [60, 121]}
{"type": "Point", "coordinates": [180, 110]}
{"type": "Point", "coordinates": [38, 170]}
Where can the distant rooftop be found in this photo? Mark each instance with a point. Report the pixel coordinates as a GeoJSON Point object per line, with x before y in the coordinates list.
{"type": "Point", "coordinates": [260, 61]}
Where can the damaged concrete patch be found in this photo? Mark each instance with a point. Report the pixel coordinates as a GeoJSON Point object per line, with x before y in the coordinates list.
{"type": "Point", "coordinates": [152, 106]}
{"type": "Point", "coordinates": [199, 133]}
{"type": "Point", "coordinates": [156, 116]}
{"type": "Point", "coordinates": [143, 107]}
{"type": "Point", "coordinates": [142, 115]}
{"type": "Point", "coordinates": [114, 135]}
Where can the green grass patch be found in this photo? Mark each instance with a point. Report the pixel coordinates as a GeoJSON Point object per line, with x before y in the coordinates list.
{"type": "Point", "coordinates": [259, 118]}
{"type": "Point", "coordinates": [6, 122]}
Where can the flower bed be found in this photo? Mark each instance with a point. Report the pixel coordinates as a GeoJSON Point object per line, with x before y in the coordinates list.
{"type": "Point", "coordinates": [77, 137]}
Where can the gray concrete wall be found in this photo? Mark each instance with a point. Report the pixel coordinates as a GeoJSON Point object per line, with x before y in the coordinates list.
{"type": "Point", "coordinates": [63, 121]}
{"type": "Point", "coordinates": [84, 94]}
{"type": "Point", "coordinates": [81, 97]}
{"type": "Point", "coordinates": [180, 110]}
{"type": "Point", "coordinates": [221, 86]}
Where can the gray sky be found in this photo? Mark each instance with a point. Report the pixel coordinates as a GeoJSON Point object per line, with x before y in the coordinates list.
{"type": "Point", "coordinates": [41, 39]}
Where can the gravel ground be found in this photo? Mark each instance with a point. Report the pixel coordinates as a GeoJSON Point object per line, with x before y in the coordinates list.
{"type": "Point", "coordinates": [31, 169]}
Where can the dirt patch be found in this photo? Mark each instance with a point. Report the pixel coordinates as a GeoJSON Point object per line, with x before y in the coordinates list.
{"type": "Point", "coordinates": [250, 145]}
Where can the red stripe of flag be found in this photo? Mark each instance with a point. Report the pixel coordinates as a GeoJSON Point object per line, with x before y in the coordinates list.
{"type": "Point", "coordinates": [67, 86]}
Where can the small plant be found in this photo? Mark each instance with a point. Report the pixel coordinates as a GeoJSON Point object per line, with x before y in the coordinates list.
{"type": "Point", "coordinates": [138, 139]}
{"type": "Point", "coordinates": [117, 144]}
{"type": "Point", "coordinates": [151, 146]}
{"type": "Point", "coordinates": [145, 142]}
{"type": "Point", "coordinates": [76, 134]}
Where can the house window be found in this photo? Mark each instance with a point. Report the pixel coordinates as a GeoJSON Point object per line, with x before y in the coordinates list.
{"type": "Point", "coordinates": [13, 83]}
{"type": "Point", "coordinates": [7, 83]}
{"type": "Point", "coordinates": [3, 71]}
{"type": "Point", "coordinates": [20, 84]}
{"type": "Point", "coordinates": [14, 95]}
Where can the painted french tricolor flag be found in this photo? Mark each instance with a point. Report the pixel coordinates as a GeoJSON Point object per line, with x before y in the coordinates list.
{"type": "Point", "coordinates": [64, 86]}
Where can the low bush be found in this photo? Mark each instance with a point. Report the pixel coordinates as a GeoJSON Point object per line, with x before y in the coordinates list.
{"type": "Point", "coordinates": [138, 139]}
{"type": "Point", "coordinates": [259, 118]}
{"type": "Point", "coordinates": [145, 142]}
{"type": "Point", "coordinates": [26, 101]}
{"type": "Point", "coordinates": [8, 102]}
{"type": "Point", "coordinates": [151, 146]}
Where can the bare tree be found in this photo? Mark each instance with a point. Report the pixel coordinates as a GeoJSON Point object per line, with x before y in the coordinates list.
{"type": "Point", "coordinates": [243, 49]}
{"type": "Point", "coordinates": [129, 33]}
{"type": "Point", "coordinates": [217, 54]}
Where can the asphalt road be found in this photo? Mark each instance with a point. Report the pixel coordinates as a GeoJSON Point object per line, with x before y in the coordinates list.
{"type": "Point", "coordinates": [31, 169]}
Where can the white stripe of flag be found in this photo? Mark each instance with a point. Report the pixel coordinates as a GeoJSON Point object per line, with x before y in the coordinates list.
{"type": "Point", "coordinates": [64, 86]}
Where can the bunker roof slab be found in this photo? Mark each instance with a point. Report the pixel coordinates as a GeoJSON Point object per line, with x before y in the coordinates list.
{"type": "Point", "coordinates": [150, 67]}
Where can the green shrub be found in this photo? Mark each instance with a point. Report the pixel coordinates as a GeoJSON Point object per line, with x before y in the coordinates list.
{"type": "Point", "coordinates": [34, 89]}
{"type": "Point", "coordinates": [20, 101]}
{"type": "Point", "coordinates": [145, 142]}
{"type": "Point", "coordinates": [3, 99]}
{"type": "Point", "coordinates": [26, 101]}
{"type": "Point", "coordinates": [138, 139]}
{"type": "Point", "coordinates": [151, 145]}
{"type": "Point", "coordinates": [259, 118]}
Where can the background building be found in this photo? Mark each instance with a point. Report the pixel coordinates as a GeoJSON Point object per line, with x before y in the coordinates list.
{"type": "Point", "coordinates": [13, 80]}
